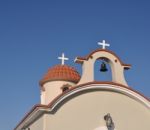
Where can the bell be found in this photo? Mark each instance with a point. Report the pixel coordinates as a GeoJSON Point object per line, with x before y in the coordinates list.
{"type": "Point", "coordinates": [103, 67]}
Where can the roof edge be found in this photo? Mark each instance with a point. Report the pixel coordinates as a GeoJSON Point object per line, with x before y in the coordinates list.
{"type": "Point", "coordinates": [41, 83]}
{"type": "Point", "coordinates": [81, 59]}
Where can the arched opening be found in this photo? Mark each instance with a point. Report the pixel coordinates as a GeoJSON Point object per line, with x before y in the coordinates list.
{"type": "Point", "coordinates": [65, 87]}
{"type": "Point", "coordinates": [100, 74]}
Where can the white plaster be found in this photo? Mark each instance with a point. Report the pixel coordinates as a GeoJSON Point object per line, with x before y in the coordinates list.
{"type": "Point", "coordinates": [104, 94]}
{"type": "Point", "coordinates": [86, 111]}
{"type": "Point", "coordinates": [107, 87]}
{"type": "Point", "coordinates": [101, 128]}
{"type": "Point", "coordinates": [117, 68]}
{"type": "Point", "coordinates": [52, 90]}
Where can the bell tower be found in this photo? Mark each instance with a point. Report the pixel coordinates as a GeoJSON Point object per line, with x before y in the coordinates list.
{"type": "Point", "coordinates": [116, 65]}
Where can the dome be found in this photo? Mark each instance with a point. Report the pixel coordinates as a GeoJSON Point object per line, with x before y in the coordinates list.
{"type": "Point", "coordinates": [62, 73]}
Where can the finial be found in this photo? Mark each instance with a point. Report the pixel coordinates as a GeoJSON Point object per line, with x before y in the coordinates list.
{"type": "Point", "coordinates": [103, 44]}
{"type": "Point", "coordinates": [63, 58]}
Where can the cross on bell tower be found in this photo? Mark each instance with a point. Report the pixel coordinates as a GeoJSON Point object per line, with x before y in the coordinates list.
{"type": "Point", "coordinates": [103, 44]}
{"type": "Point", "coordinates": [63, 58]}
{"type": "Point", "coordinates": [116, 65]}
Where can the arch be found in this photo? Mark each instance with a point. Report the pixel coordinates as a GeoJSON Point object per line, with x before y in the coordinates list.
{"type": "Point", "coordinates": [100, 75]}
{"type": "Point", "coordinates": [81, 59]}
{"type": "Point", "coordinates": [95, 86]}
{"type": "Point", "coordinates": [117, 66]}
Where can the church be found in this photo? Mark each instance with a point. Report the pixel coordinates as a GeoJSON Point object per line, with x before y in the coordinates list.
{"type": "Point", "coordinates": [70, 101]}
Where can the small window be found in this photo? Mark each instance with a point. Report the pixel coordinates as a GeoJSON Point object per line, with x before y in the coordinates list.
{"type": "Point", "coordinates": [65, 88]}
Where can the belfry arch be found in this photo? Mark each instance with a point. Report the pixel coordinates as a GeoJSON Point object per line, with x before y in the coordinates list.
{"type": "Point", "coordinates": [116, 65]}
{"type": "Point", "coordinates": [102, 70]}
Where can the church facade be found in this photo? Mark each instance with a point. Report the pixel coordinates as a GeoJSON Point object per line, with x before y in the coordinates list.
{"type": "Point", "coordinates": [73, 102]}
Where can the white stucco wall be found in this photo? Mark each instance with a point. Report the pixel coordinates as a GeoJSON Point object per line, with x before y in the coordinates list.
{"type": "Point", "coordinates": [86, 112]}
{"type": "Point", "coordinates": [117, 68]}
{"type": "Point", "coordinates": [52, 90]}
{"type": "Point", "coordinates": [38, 124]}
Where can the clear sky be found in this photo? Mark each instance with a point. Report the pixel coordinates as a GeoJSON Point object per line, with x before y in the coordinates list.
{"type": "Point", "coordinates": [34, 33]}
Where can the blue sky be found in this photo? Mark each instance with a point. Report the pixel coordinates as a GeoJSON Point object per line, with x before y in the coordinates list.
{"type": "Point", "coordinates": [34, 33]}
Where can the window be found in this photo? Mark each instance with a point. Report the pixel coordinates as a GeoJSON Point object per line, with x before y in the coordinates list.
{"type": "Point", "coordinates": [65, 87]}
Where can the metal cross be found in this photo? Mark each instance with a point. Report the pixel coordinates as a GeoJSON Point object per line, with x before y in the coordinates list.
{"type": "Point", "coordinates": [103, 44]}
{"type": "Point", "coordinates": [63, 58]}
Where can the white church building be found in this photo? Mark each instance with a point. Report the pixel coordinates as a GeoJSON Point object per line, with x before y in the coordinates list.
{"type": "Point", "coordinates": [70, 101]}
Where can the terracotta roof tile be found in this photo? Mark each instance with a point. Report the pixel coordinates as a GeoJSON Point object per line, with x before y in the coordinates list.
{"type": "Point", "coordinates": [61, 72]}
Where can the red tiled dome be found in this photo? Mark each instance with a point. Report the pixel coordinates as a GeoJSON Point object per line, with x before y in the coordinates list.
{"type": "Point", "coordinates": [61, 72]}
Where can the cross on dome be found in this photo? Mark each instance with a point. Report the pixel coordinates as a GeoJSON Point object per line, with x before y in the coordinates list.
{"type": "Point", "coordinates": [103, 44]}
{"type": "Point", "coordinates": [63, 58]}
